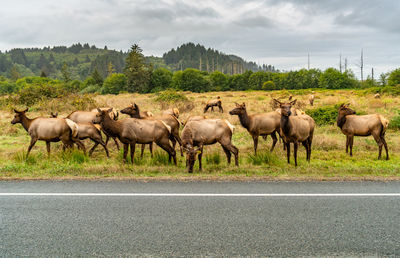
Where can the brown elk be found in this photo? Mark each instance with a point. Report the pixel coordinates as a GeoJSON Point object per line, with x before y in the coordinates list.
{"type": "Point", "coordinates": [366, 125]}
{"type": "Point", "coordinates": [88, 116]}
{"type": "Point", "coordinates": [258, 124]}
{"type": "Point", "coordinates": [194, 118]}
{"type": "Point", "coordinates": [172, 111]}
{"type": "Point", "coordinates": [296, 129]}
{"type": "Point", "coordinates": [48, 130]}
{"type": "Point", "coordinates": [311, 99]}
{"type": "Point", "coordinates": [131, 131]}
{"type": "Point", "coordinates": [207, 132]}
{"type": "Point", "coordinates": [134, 112]}
{"type": "Point", "coordinates": [91, 131]}
{"type": "Point", "coordinates": [214, 103]}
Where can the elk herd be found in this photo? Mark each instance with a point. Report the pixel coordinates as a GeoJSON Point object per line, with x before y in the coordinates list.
{"type": "Point", "coordinates": [288, 123]}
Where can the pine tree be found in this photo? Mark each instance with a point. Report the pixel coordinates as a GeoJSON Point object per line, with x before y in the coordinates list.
{"type": "Point", "coordinates": [43, 74]}
{"type": "Point", "coordinates": [97, 77]}
{"type": "Point", "coordinates": [110, 69]}
{"type": "Point", "coordinates": [66, 74]}
{"type": "Point", "coordinates": [14, 74]}
{"type": "Point", "coordinates": [137, 72]}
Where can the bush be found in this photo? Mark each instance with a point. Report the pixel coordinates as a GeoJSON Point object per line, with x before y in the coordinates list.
{"type": "Point", "coordinates": [263, 158]}
{"type": "Point", "coordinates": [395, 121]}
{"type": "Point", "coordinates": [268, 85]}
{"type": "Point", "coordinates": [170, 96]}
{"type": "Point", "coordinates": [34, 93]}
{"type": "Point", "coordinates": [324, 115]}
{"type": "Point", "coordinates": [114, 84]}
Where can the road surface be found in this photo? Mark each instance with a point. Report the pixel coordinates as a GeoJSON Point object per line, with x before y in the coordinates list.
{"type": "Point", "coordinates": [127, 218]}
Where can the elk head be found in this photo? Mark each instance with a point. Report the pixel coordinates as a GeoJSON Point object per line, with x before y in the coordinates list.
{"type": "Point", "coordinates": [191, 156]}
{"type": "Point", "coordinates": [239, 109]}
{"type": "Point", "coordinates": [19, 115]}
{"type": "Point", "coordinates": [132, 110]}
{"type": "Point", "coordinates": [285, 107]}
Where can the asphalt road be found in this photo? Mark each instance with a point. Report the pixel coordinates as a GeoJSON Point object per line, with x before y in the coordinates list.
{"type": "Point", "coordinates": [306, 225]}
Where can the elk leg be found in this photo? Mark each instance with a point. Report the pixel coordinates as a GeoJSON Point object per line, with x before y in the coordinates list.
{"type": "Point", "coordinates": [94, 147]}
{"type": "Point", "coordinates": [274, 140]}
{"type": "Point", "coordinates": [126, 146]}
{"type": "Point", "coordinates": [133, 145]}
{"type": "Point", "coordinates": [199, 157]}
{"type": "Point", "coordinates": [164, 144]}
{"type": "Point", "coordinates": [179, 140]}
{"type": "Point", "coordinates": [380, 144]}
{"type": "Point", "coordinates": [255, 140]}
{"type": "Point", "coordinates": [48, 148]}
{"type": "Point", "coordinates": [305, 144]}
{"type": "Point", "coordinates": [33, 141]}
{"type": "Point", "coordinates": [295, 146]}
{"type": "Point", "coordinates": [228, 154]}
{"type": "Point", "coordinates": [288, 152]}
{"type": "Point", "coordinates": [221, 109]}
{"type": "Point", "coordinates": [309, 141]}
{"type": "Point", "coordinates": [142, 150]}
{"type": "Point", "coordinates": [386, 148]}
{"type": "Point", "coordinates": [235, 152]}
{"type": "Point", "coordinates": [351, 145]}
{"type": "Point", "coordinates": [151, 149]}
{"type": "Point", "coordinates": [104, 146]}
{"type": "Point", "coordinates": [212, 108]}
{"type": "Point", "coordinates": [116, 142]}
{"type": "Point", "coordinates": [347, 143]}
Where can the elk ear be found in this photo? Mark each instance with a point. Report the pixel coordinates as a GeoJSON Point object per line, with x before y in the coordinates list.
{"type": "Point", "coordinates": [16, 111]}
{"type": "Point", "coordinates": [26, 110]}
{"type": "Point", "coordinates": [237, 104]}
{"type": "Point", "coordinates": [109, 110]}
{"type": "Point", "coordinates": [244, 104]}
{"type": "Point", "coordinates": [293, 102]}
{"type": "Point", "coordinates": [99, 110]}
{"type": "Point", "coordinates": [277, 101]}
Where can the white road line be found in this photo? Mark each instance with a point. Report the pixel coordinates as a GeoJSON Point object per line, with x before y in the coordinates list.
{"type": "Point", "coordinates": [207, 194]}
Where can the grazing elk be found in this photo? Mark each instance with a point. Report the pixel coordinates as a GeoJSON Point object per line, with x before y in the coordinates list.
{"type": "Point", "coordinates": [258, 124]}
{"type": "Point", "coordinates": [91, 131]}
{"type": "Point", "coordinates": [88, 116]}
{"type": "Point", "coordinates": [132, 130]}
{"type": "Point", "coordinates": [207, 132]}
{"type": "Point", "coordinates": [366, 125]}
{"type": "Point", "coordinates": [214, 103]}
{"type": "Point", "coordinates": [311, 99]}
{"type": "Point", "coordinates": [171, 120]}
{"type": "Point", "coordinates": [296, 129]}
{"type": "Point", "coordinates": [194, 118]}
{"type": "Point", "coordinates": [48, 130]}
{"type": "Point", "coordinates": [172, 111]}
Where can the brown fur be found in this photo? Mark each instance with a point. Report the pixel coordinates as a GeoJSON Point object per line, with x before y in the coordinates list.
{"type": "Point", "coordinates": [91, 131]}
{"type": "Point", "coordinates": [134, 112]}
{"type": "Point", "coordinates": [214, 103]}
{"type": "Point", "coordinates": [258, 124]}
{"type": "Point", "coordinates": [311, 100]}
{"type": "Point", "coordinates": [194, 118]}
{"type": "Point", "coordinates": [354, 125]}
{"type": "Point", "coordinates": [296, 129]}
{"type": "Point", "coordinates": [89, 116]}
{"type": "Point", "coordinates": [131, 131]}
{"type": "Point", "coordinates": [207, 132]}
{"type": "Point", "coordinates": [48, 130]}
{"type": "Point", "coordinates": [172, 111]}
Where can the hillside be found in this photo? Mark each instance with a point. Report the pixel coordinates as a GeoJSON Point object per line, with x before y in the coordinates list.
{"type": "Point", "coordinates": [82, 60]}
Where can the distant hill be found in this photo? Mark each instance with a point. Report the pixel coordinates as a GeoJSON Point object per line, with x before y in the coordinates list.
{"type": "Point", "coordinates": [82, 60]}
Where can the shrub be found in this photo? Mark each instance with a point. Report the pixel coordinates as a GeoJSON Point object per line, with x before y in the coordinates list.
{"type": "Point", "coordinates": [34, 93]}
{"type": "Point", "coordinates": [324, 115]}
{"type": "Point", "coordinates": [395, 121]}
{"type": "Point", "coordinates": [263, 158]}
{"type": "Point", "coordinates": [268, 85]}
{"type": "Point", "coordinates": [170, 96]}
{"type": "Point", "coordinates": [114, 83]}
{"type": "Point", "coordinates": [213, 158]}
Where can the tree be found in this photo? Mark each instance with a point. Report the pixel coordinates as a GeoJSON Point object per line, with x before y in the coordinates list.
{"type": "Point", "coordinates": [97, 77]}
{"type": "Point", "coordinates": [191, 80]}
{"type": "Point", "coordinates": [114, 83]}
{"type": "Point", "coordinates": [161, 79]}
{"type": "Point", "coordinates": [66, 74]}
{"type": "Point", "coordinates": [110, 69]}
{"type": "Point", "coordinates": [331, 78]}
{"type": "Point", "coordinates": [14, 73]}
{"type": "Point", "coordinates": [383, 79]}
{"type": "Point", "coordinates": [219, 81]}
{"type": "Point", "coordinates": [394, 77]}
{"type": "Point", "coordinates": [137, 72]}
{"type": "Point", "coordinates": [43, 74]}
{"type": "Point", "coordinates": [268, 85]}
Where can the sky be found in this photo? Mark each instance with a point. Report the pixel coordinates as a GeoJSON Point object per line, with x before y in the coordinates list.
{"type": "Point", "coordinates": [281, 33]}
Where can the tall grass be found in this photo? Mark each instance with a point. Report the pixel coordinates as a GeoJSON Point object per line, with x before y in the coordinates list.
{"type": "Point", "coordinates": [262, 158]}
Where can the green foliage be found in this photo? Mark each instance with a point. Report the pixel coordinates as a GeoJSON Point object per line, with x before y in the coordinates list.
{"type": "Point", "coordinates": [395, 121]}
{"type": "Point", "coordinates": [219, 81]}
{"type": "Point", "coordinates": [331, 78]}
{"type": "Point", "coordinates": [190, 80]}
{"type": "Point", "coordinates": [160, 159]}
{"type": "Point", "coordinates": [394, 77]}
{"type": "Point", "coordinates": [34, 93]}
{"type": "Point", "coordinates": [114, 84]}
{"type": "Point", "coordinates": [137, 71]}
{"type": "Point", "coordinates": [170, 96]}
{"type": "Point", "coordinates": [263, 158]}
{"type": "Point", "coordinates": [268, 85]}
{"type": "Point", "coordinates": [73, 156]}
{"type": "Point", "coordinates": [324, 115]}
{"type": "Point", "coordinates": [213, 158]}
{"type": "Point", "coordinates": [7, 87]}
{"type": "Point", "coordinates": [161, 79]}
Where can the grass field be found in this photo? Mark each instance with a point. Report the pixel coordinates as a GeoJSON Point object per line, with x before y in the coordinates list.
{"type": "Point", "coordinates": [328, 161]}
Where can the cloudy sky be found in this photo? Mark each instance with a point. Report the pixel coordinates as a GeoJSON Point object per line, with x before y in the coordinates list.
{"type": "Point", "coordinates": [274, 32]}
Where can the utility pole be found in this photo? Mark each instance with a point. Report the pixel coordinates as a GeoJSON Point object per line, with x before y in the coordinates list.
{"type": "Point", "coordinates": [362, 65]}
{"type": "Point", "coordinates": [308, 61]}
{"type": "Point", "coordinates": [340, 62]}
{"type": "Point", "coordinates": [345, 64]}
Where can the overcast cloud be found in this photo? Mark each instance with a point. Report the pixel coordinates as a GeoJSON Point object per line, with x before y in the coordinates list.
{"type": "Point", "coordinates": [274, 32]}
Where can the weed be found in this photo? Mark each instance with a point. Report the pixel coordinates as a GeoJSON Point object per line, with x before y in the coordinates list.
{"type": "Point", "coordinates": [213, 158]}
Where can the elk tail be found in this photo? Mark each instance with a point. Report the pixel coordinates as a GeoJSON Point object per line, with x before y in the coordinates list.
{"type": "Point", "coordinates": [73, 126]}
{"type": "Point", "coordinates": [231, 127]}
{"type": "Point", "coordinates": [385, 124]}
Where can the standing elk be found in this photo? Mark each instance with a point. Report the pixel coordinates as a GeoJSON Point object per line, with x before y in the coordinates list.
{"type": "Point", "coordinates": [194, 118]}
{"type": "Point", "coordinates": [366, 125]}
{"type": "Point", "coordinates": [48, 130]}
{"type": "Point", "coordinates": [132, 130]}
{"type": "Point", "coordinates": [258, 124]}
{"type": "Point", "coordinates": [311, 99]}
{"type": "Point", "coordinates": [214, 103]}
{"type": "Point", "coordinates": [134, 112]}
{"type": "Point", "coordinates": [207, 132]}
{"type": "Point", "coordinates": [88, 116]}
{"type": "Point", "coordinates": [296, 129]}
{"type": "Point", "coordinates": [91, 131]}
